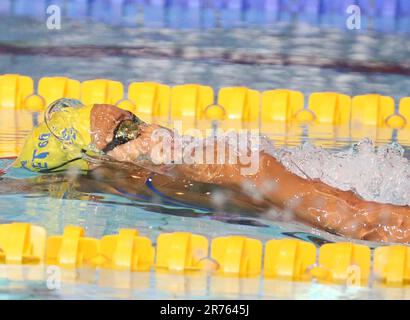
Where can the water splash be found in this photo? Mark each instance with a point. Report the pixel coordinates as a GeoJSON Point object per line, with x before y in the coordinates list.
{"type": "Point", "coordinates": [379, 174]}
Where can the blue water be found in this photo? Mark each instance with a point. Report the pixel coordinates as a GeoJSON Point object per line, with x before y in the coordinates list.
{"type": "Point", "coordinates": [101, 214]}
{"type": "Point", "coordinates": [295, 54]}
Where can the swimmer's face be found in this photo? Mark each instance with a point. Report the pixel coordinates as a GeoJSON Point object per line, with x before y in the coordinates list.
{"type": "Point", "coordinates": [112, 126]}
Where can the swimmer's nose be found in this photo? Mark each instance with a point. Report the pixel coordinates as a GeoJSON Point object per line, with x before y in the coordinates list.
{"type": "Point", "coordinates": [127, 130]}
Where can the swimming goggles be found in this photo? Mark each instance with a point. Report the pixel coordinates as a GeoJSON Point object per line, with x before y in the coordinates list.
{"type": "Point", "coordinates": [126, 131]}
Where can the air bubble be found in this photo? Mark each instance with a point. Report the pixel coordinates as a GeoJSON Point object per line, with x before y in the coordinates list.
{"type": "Point", "coordinates": [377, 174]}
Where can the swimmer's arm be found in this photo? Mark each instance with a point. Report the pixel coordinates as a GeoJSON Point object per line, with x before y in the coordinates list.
{"type": "Point", "coordinates": [342, 212]}
{"type": "Point", "coordinates": [313, 201]}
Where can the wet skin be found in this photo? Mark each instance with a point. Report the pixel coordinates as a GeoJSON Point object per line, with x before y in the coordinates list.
{"type": "Point", "coordinates": [310, 201]}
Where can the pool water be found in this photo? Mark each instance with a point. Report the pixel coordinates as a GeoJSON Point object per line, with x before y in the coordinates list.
{"type": "Point", "coordinates": [296, 56]}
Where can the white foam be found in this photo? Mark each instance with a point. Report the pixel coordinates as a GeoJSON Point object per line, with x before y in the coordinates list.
{"type": "Point", "coordinates": [380, 174]}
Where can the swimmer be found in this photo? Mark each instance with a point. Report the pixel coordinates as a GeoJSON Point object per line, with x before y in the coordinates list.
{"type": "Point", "coordinates": [122, 136]}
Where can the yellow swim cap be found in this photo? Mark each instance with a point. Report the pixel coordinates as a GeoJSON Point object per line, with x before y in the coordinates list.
{"type": "Point", "coordinates": [58, 142]}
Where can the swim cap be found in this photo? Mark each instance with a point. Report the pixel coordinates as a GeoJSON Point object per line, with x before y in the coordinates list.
{"type": "Point", "coordinates": [60, 140]}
